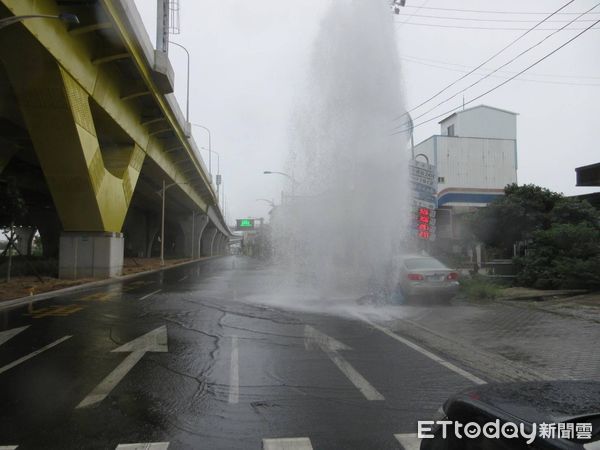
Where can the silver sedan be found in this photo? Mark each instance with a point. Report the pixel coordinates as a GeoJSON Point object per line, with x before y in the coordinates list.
{"type": "Point", "coordinates": [424, 276]}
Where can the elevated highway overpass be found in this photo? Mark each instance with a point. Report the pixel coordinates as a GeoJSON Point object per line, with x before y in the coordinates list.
{"type": "Point", "coordinates": [89, 131]}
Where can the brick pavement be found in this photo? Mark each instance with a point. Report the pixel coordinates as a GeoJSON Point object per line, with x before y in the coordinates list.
{"type": "Point", "coordinates": [508, 341]}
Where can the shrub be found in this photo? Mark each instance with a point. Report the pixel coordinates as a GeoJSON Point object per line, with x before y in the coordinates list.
{"type": "Point", "coordinates": [565, 256]}
{"type": "Point", "coordinates": [478, 288]}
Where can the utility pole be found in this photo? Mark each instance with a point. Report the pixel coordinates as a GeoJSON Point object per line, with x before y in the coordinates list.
{"type": "Point", "coordinates": [193, 231]}
{"type": "Point", "coordinates": [162, 227]}
{"type": "Point", "coordinates": [162, 26]}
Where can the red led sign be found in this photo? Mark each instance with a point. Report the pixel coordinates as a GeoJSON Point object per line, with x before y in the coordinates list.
{"type": "Point", "coordinates": [423, 223]}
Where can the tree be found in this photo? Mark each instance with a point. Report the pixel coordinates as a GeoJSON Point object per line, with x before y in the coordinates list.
{"type": "Point", "coordinates": [575, 211]}
{"type": "Point", "coordinates": [562, 236]}
{"type": "Point", "coordinates": [514, 217]}
{"type": "Point", "coordinates": [12, 204]}
{"type": "Point", "coordinates": [564, 256]}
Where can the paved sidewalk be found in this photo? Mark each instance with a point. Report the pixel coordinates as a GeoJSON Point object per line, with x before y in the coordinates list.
{"type": "Point", "coordinates": [510, 341]}
{"type": "Point", "coordinates": [584, 306]}
{"type": "Point", "coordinates": [28, 289]}
{"type": "Point", "coordinates": [522, 293]}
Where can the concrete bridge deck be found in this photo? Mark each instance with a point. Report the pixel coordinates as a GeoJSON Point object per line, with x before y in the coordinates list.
{"type": "Point", "coordinates": [89, 130]}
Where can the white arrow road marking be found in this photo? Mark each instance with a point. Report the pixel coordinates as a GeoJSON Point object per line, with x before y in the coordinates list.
{"type": "Point", "coordinates": [287, 444]}
{"type": "Point", "coordinates": [234, 372]}
{"type": "Point", "coordinates": [146, 446]}
{"type": "Point", "coordinates": [150, 294]}
{"type": "Point", "coordinates": [154, 341]}
{"type": "Point", "coordinates": [409, 441]}
{"type": "Point", "coordinates": [9, 334]}
{"type": "Point", "coordinates": [330, 347]}
{"type": "Point", "coordinates": [437, 359]}
{"type": "Point", "coordinates": [33, 354]}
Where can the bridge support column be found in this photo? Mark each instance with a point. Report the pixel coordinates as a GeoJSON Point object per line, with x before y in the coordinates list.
{"type": "Point", "coordinates": [24, 239]}
{"type": "Point", "coordinates": [139, 230]}
{"type": "Point", "coordinates": [207, 241]}
{"type": "Point", "coordinates": [215, 245]}
{"type": "Point", "coordinates": [201, 223]}
{"type": "Point", "coordinates": [95, 255]}
{"type": "Point", "coordinates": [225, 250]}
{"type": "Point", "coordinates": [90, 168]}
{"type": "Point", "coordinates": [49, 227]}
{"type": "Point", "coordinates": [192, 227]}
{"type": "Point", "coordinates": [153, 235]}
{"type": "Point", "coordinates": [220, 244]}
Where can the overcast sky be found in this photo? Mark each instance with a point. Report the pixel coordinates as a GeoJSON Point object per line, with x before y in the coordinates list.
{"type": "Point", "coordinates": [249, 60]}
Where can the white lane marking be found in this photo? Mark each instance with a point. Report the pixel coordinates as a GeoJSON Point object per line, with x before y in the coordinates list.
{"type": "Point", "coordinates": [302, 443]}
{"type": "Point", "coordinates": [144, 446]}
{"type": "Point", "coordinates": [592, 446]}
{"type": "Point", "coordinates": [443, 362]}
{"type": "Point", "coordinates": [8, 447]}
{"type": "Point", "coordinates": [313, 338]}
{"type": "Point", "coordinates": [330, 346]}
{"type": "Point", "coordinates": [9, 334]}
{"type": "Point", "coordinates": [356, 378]}
{"type": "Point", "coordinates": [234, 372]}
{"type": "Point", "coordinates": [33, 354]}
{"type": "Point", "coordinates": [409, 441]}
{"type": "Point", "coordinates": [182, 279]}
{"type": "Point", "coordinates": [154, 341]}
{"type": "Point", "coordinates": [150, 294]}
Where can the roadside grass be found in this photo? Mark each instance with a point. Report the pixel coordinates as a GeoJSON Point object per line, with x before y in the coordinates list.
{"type": "Point", "coordinates": [478, 288]}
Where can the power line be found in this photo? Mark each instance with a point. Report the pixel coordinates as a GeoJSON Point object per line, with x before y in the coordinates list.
{"type": "Point", "coordinates": [465, 27]}
{"type": "Point", "coordinates": [478, 19]}
{"type": "Point", "coordinates": [530, 80]}
{"type": "Point", "coordinates": [418, 9]}
{"type": "Point", "coordinates": [488, 60]}
{"type": "Point", "coordinates": [434, 61]}
{"type": "Point", "coordinates": [490, 12]}
{"type": "Point", "coordinates": [503, 83]}
{"type": "Point", "coordinates": [504, 65]}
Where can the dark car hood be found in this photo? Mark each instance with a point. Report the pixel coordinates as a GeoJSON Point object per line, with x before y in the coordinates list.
{"type": "Point", "coordinates": [536, 402]}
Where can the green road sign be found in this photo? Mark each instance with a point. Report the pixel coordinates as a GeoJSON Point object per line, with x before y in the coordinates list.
{"type": "Point", "coordinates": [245, 224]}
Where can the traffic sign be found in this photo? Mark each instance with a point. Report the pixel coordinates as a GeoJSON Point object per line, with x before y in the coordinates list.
{"type": "Point", "coordinates": [423, 181]}
{"type": "Point", "coordinates": [244, 224]}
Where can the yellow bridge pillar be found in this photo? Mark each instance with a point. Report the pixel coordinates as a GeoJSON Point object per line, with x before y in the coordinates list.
{"type": "Point", "coordinates": [91, 177]}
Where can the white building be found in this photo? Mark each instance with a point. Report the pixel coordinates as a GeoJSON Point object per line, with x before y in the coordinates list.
{"type": "Point", "coordinates": [475, 155]}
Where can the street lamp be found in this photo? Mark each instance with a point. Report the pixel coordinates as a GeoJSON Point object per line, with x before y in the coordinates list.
{"type": "Point", "coordinates": [291, 178]}
{"type": "Point", "coordinates": [424, 156]}
{"type": "Point", "coordinates": [218, 177]}
{"type": "Point", "coordinates": [396, 4]}
{"type": "Point", "coordinates": [162, 193]}
{"type": "Point", "coordinates": [271, 172]}
{"type": "Point", "coordinates": [209, 146]}
{"type": "Point", "coordinates": [187, 98]}
{"type": "Point", "coordinates": [270, 202]}
{"type": "Point", "coordinates": [64, 17]}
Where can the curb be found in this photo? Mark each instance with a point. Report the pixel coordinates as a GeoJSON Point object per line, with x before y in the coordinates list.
{"type": "Point", "coordinates": [7, 304]}
{"type": "Point", "coordinates": [542, 297]}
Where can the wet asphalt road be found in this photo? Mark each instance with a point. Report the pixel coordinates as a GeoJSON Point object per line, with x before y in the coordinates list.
{"type": "Point", "coordinates": [202, 362]}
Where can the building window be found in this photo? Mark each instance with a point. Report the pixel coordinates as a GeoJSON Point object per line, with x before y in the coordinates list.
{"type": "Point", "coordinates": [451, 130]}
{"type": "Point", "coordinates": [441, 180]}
